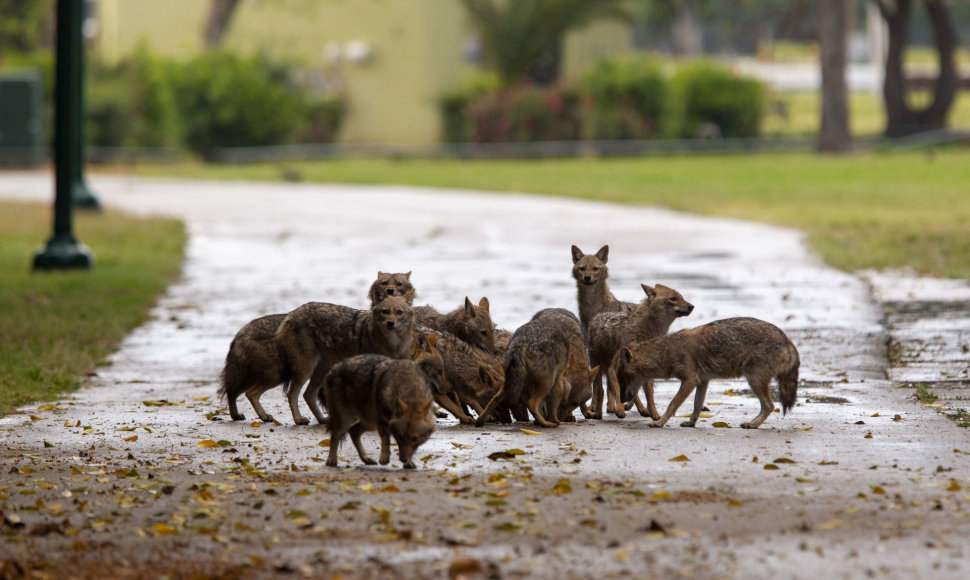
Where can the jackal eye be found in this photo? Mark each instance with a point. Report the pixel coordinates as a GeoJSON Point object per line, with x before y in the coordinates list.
{"type": "Point", "coordinates": [484, 333]}
{"type": "Point", "coordinates": [595, 269]}
{"type": "Point", "coordinates": [384, 283]}
{"type": "Point", "coordinates": [385, 312]}
{"type": "Point", "coordinates": [400, 313]}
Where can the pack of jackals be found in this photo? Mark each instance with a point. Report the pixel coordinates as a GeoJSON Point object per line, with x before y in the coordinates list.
{"type": "Point", "coordinates": [385, 368]}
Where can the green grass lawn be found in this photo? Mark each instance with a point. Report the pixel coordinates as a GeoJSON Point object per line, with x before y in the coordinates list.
{"type": "Point", "coordinates": [58, 326]}
{"type": "Point", "coordinates": [866, 211]}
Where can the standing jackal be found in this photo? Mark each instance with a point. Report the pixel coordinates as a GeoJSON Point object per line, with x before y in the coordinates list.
{"type": "Point", "coordinates": [536, 366]}
{"type": "Point", "coordinates": [610, 331]}
{"type": "Point", "coordinates": [254, 365]}
{"type": "Point", "coordinates": [723, 349]}
{"type": "Point", "coordinates": [593, 294]}
{"type": "Point", "coordinates": [471, 323]}
{"type": "Point", "coordinates": [318, 335]}
{"type": "Point", "coordinates": [390, 285]}
{"type": "Point", "coordinates": [372, 392]}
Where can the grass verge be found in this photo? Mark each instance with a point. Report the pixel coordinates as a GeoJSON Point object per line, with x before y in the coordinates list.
{"type": "Point", "coordinates": [885, 210]}
{"type": "Point", "coordinates": [58, 326]}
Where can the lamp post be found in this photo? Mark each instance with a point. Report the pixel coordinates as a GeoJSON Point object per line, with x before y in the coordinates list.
{"type": "Point", "coordinates": [62, 250]}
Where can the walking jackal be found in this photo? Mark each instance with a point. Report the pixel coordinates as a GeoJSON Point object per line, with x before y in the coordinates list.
{"type": "Point", "coordinates": [373, 392]}
{"type": "Point", "coordinates": [317, 335]}
{"type": "Point", "coordinates": [611, 331]}
{"type": "Point", "coordinates": [729, 348]}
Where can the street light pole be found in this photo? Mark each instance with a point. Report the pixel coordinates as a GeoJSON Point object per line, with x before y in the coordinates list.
{"type": "Point", "coordinates": [62, 250]}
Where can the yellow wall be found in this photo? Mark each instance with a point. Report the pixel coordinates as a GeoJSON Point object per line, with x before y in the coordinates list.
{"type": "Point", "coordinates": [415, 50]}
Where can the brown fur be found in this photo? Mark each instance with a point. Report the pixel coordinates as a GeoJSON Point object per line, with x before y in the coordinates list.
{"type": "Point", "coordinates": [426, 354]}
{"type": "Point", "coordinates": [317, 335]}
{"type": "Point", "coordinates": [390, 285]}
{"type": "Point", "coordinates": [373, 392]}
{"type": "Point", "coordinates": [254, 365]}
{"type": "Point", "coordinates": [471, 323]}
{"type": "Point", "coordinates": [593, 293]}
{"type": "Point", "coordinates": [475, 375]}
{"type": "Point", "coordinates": [610, 331]}
{"type": "Point", "coordinates": [729, 348]}
{"type": "Point", "coordinates": [536, 366]}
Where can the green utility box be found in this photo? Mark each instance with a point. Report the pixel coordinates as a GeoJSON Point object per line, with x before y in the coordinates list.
{"type": "Point", "coordinates": [21, 114]}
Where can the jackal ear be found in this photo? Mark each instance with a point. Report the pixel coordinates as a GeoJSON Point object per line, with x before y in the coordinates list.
{"type": "Point", "coordinates": [649, 291]}
{"type": "Point", "coordinates": [408, 296]}
{"type": "Point", "coordinates": [407, 274]}
{"type": "Point", "coordinates": [483, 303]}
{"type": "Point", "coordinates": [432, 339]}
{"type": "Point", "coordinates": [379, 273]}
{"type": "Point", "coordinates": [577, 253]}
{"type": "Point", "coordinates": [469, 308]}
{"type": "Point", "coordinates": [484, 376]}
{"type": "Point", "coordinates": [626, 355]}
{"type": "Point", "coordinates": [404, 406]}
{"type": "Point", "coordinates": [425, 408]}
{"type": "Point", "coordinates": [593, 371]}
{"type": "Point", "coordinates": [604, 253]}
{"type": "Point", "coordinates": [422, 340]}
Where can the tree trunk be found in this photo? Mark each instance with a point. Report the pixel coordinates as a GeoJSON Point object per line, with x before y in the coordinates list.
{"type": "Point", "coordinates": [833, 18]}
{"type": "Point", "coordinates": [217, 23]}
{"type": "Point", "coordinates": [901, 118]}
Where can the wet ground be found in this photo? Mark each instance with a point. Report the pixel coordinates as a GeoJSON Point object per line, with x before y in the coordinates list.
{"type": "Point", "coordinates": [143, 470]}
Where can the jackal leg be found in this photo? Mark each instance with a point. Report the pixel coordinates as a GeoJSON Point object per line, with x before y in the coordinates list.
{"type": "Point", "coordinates": [760, 388]}
{"type": "Point", "coordinates": [293, 396]}
{"type": "Point", "coordinates": [686, 386]}
{"type": "Point", "coordinates": [312, 393]}
{"type": "Point", "coordinates": [385, 446]}
{"type": "Point", "coordinates": [613, 388]}
{"type": "Point", "coordinates": [596, 405]}
{"type": "Point", "coordinates": [253, 395]}
{"type": "Point", "coordinates": [449, 404]}
{"type": "Point", "coordinates": [699, 396]}
{"type": "Point", "coordinates": [542, 389]}
{"type": "Point", "coordinates": [650, 409]}
{"type": "Point", "coordinates": [499, 396]}
{"type": "Point", "coordinates": [355, 432]}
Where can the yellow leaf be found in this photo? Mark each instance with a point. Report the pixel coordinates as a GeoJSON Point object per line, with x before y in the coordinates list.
{"type": "Point", "coordinates": [783, 460]}
{"type": "Point", "coordinates": [530, 432]}
{"type": "Point", "coordinates": [771, 466]}
{"type": "Point", "coordinates": [679, 458]}
{"type": "Point", "coordinates": [720, 425]}
{"type": "Point", "coordinates": [831, 525]}
{"type": "Point", "coordinates": [734, 503]}
{"type": "Point", "coordinates": [164, 529]}
{"type": "Point", "coordinates": [868, 436]}
{"type": "Point", "coordinates": [706, 415]}
{"type": "Point", "coordinates": [36, 418]}
{"type": "Point", "coordinates": [255, 424]}
{"type": "Point", "coordinates": [804, 428]}
{"type": "Point", "coordinates": [132, 438]}
{"type": "Point", "coordinates": [461, 445]}
{"type": "Point", "coordinates": [874, 415]}
{"type": "Point", "coordinates": [324, 443]}
{"type": "Point", "coordinates": [954, 486]}
{"type": "Point", "coordinates": [878, 489]}
{"type": "Point", "coordinates": [805, 480]}
{"type": "Point", "coordinates": [207, 443]}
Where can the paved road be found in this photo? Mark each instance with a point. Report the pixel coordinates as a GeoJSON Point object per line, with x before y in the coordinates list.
{"type": "Point", "coordinates": [875, 480]}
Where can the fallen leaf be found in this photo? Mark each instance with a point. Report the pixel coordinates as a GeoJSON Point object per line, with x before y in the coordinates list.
{"type": "Point", "coordinates": [164, 529]}
{"type": "Point", "coordinates": [878, 489]}
{"type": "Point", "coordinates": [562, 486]}
{"type": "Point", "coordinates": [132, 438]}
{"type": "Point", "coordinates": [720, 425]}
{"type": "Point", "coordinates": [324, 443]}
{"type": "Point", "coordinates": [954, 486]}
{"type": "Point", "coordinates": [530, 432]}
{"type": "Point", "coordinates": [897, 418]}
{"type": "Point", "coordinates": [771, 466]}
{"type": "Point", "coordinates": [207, 443]}
{"type": "Point", "coordinates": [36, 418]}
{"type": "Point", "coordinates": [830, 525]}
{"type": "Point", "coordinates": [461, 445]}
{"type": "Point", "coordinates": [783, 460]}
{"type": "Point", "coordinates": [804, 428]}
{"type": "Point", "coordinates": [501, 455]}
{"type": "Point", "coordinates": [679, 458]}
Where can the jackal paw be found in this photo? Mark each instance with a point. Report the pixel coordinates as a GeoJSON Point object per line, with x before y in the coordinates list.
{"type": "Point", "coordinates": [237, 416]}
{"type": "Point", "coordinates": [647, 414]}
{"type": "Point", "coordinates": [655, 424]}
{"type": "Point", "coordinates": [368, 461]}
{"type": "Point", "coordinates": [410, 465]}
{"type": "Point", "coordinates": [620, 414]}
{"type": "Point", "coordinates": [748, 426]}
{"type": "Point", "coordinates": [266, 419]}
{"type": "Point", "coordinates": [598, 416]}
{"type": "Point", "coordinates": [301, 421]}
{"type": "Point", "coordinates": [687, 424]}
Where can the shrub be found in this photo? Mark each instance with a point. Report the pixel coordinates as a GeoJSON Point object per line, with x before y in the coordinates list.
{"type": "Point", "coordinates": [323, 119]}
{"type": "Point", "coordinates": [705, 95]}
{"type": "Point", "coordinates": [131, 104]}
{"type": "Point", "coordinates": [624, 99]}
{"type": "Point", "coordinates": [227, 100]}
{"type": "Point", "coordinates": [453, 105]}
{"type": "Point", "coordinates": [526, 113]}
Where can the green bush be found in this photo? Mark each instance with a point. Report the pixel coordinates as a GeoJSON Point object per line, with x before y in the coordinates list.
{"type": "Point", "coordinates": [132, 104]}
{"type": "Point", "coordinates": [624, 99]}
{"type": "Point", "coordinates": [323, 120]}
{"type": "Point", "coordinates": [453, 105]}
{"type": "Point", "coordinates": [705, 95]}
{"type": "Point", "coordinates": [227, 100]}
{"type": "Point", "coordinates": [526, 113]}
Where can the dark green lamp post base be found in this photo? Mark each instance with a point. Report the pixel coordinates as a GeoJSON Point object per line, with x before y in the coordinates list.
{"type": "Point", "coordinates": [63, 252]}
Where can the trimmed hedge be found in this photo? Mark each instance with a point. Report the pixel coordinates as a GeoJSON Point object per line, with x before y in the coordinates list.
{"type": "Point", "coordinates": [708, 99]}
{"type": "Point", "coordinates": [624, 99]}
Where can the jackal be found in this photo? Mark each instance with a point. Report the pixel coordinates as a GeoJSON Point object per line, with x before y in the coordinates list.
{"type": "Point", "coordinates": [471, 323]}
{"type": "Point", "coordinates": [536, 365]}
{"type": "Point", "coordinates": [593, 294]}
{"type": "Point", "coordinates": [255, 364]}
{"type": "Point", "coordinates": [390, 285]}
{"type": "Point", "coordinates": [426, 354]}
{"type": "Point", "coordinates": [610, 331]}
{"type": "Point", "coordinates": [474, 374]}
{"type": "Point", "coordinates": [317, 335]}
{"type": "Point", "coordinates": [729, 348]}
{"type": "Point", "coordinates": [373, 392]}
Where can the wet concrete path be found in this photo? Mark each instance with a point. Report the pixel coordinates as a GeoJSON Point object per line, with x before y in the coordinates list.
{"type": "Point", "coordinates": [262, 248]}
